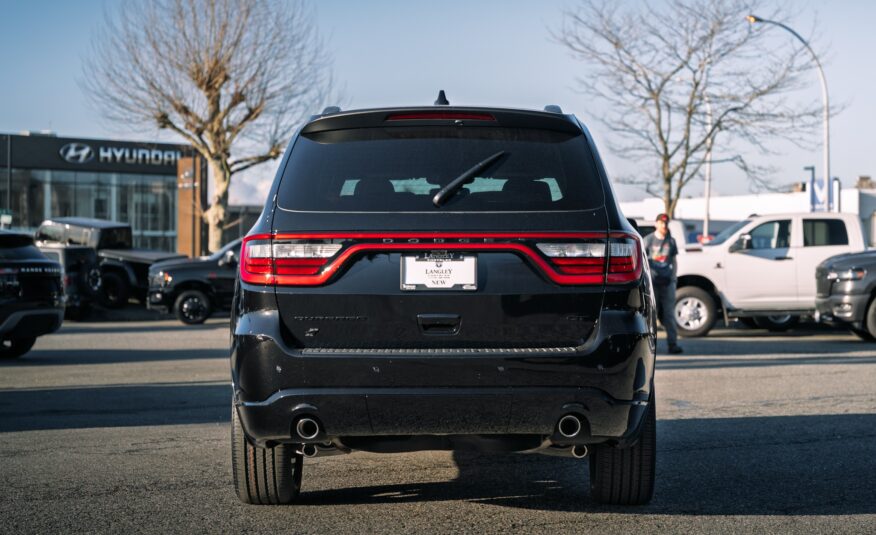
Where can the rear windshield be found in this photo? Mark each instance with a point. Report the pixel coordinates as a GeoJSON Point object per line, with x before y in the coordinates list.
{"type": "Point", "coordinates": [401, 168]}
{"type": "Point", "coordinates": [15, 248]}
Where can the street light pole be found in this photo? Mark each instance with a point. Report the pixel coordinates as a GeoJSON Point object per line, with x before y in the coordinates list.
{"type": "Point", "coordinates": [708, 192]}
{"type": "Point", "coordinates": [824, 97]}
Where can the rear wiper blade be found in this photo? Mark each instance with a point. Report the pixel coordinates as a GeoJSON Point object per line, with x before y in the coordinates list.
{"type": "Point", "coordinates": [447, 191]}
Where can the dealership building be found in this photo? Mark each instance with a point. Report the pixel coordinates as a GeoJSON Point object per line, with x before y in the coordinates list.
{"type": "Point", "coordinates": [157, 188]}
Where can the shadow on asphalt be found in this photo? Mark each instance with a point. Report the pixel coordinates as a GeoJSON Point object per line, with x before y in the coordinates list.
{"type": "Point", "coordinates": [801, 465]}
{"type": "Point", "coordinates": [118, 328]}
{"type": "Point", "coordinates": [58, 357]}
{"type": "Point", "coordinates": [810, 465]}
{"type": "Point", "coordinates": [114, 406]}
{"type": "Point", "coordinates": [696, 362]}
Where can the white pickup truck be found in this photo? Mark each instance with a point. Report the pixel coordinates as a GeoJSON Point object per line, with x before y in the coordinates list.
{"type": "Point", "coordinates": [761, 269]}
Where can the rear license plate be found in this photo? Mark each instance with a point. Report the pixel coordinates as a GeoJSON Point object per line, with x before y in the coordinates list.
{"type": "Point", "coordinates": [439, 271]}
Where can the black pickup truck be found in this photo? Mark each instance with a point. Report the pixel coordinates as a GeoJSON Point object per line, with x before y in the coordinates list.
{"type": "Point", "coordinates": [31, 296]}
{"type": "Point", "coordinates": [124, 270]}
{"type": "Point", "coordinates": [193, 288]}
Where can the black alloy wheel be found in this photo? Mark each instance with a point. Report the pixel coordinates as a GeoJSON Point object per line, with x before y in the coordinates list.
{"type": "Point", "coordinates": [115, 290]}
{"type": "Point", "coordinates": [12, 348]}
{"type": "Point", "coordinates": [192, 307]}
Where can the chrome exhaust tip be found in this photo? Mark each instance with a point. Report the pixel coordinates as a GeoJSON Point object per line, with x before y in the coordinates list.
{"type": "Point", "coordinates": [309, 450]}
{"type": "Point", "coordinates": [580, 451]}
{"type": "Point", "coordinates": [569, 426]}
{"type": "Point", "coordinates": [307, 428]}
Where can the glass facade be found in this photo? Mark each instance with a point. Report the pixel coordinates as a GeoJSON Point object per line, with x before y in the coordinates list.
{"type": "Point", "coordinates": [146, 201]}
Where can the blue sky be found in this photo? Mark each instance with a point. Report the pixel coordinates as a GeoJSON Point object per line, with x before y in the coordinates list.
{"type": "Point", "coordinates": [386, 53]}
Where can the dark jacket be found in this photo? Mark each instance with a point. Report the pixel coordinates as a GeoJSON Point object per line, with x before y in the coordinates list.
{"type": "Point", "coordinates": [662, 257]}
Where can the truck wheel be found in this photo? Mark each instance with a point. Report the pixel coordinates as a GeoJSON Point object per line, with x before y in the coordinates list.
{"type": "Point", "coordinates": [863, 335]}
{"type": "Point", "coordinates": [625, 476]}
{"type": "Point", "coordinates": [12, 348]}
{"type": "Point", "coordinates": [115, 290]}
{"type": "Point", "coordinates": [263, 476]}
{"type": "Point", "coordinates": [695, 311]}
{"type": "Point", "coordinates": [777, 324]}
{"type": "Point", "coordinates": [869, 323]}
{"type": "Point", "coordinates": [192, 307]}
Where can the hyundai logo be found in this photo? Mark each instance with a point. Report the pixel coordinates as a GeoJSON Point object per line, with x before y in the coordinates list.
{"type": "Point", "coordinates": [77, 153]}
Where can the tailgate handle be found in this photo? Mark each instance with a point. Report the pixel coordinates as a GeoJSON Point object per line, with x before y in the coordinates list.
{"type": "Point", "coordinates": [441, 324]}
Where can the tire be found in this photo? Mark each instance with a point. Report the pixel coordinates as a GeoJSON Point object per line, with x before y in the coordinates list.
{"type": "Point", "coordinates": [115, 290]}
{"type": "Point", "coordinates": [192, 307]}
{"type": "Point", "coordinates": [263, 476]}
{"type": "Point", "coordinates": [863, 335]}
{"type": "Point", "coordinates": [748, 322]}
{"type": "Point", "coordinates": [12, 348]}
{"type": "Point", "coordinates": [869, 332]}
{"type": "Point", "coordinates": [625, 476]}
{"type": "Point", "coordinates": [78, 313]}
{"type": "Point", "coordinates": [777, 324]}
{"type": "Point", "coordinates": [695, 312]}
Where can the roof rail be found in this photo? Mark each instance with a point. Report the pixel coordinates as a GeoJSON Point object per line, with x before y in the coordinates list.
{"type": "Point", "coordinates": [553, 108]}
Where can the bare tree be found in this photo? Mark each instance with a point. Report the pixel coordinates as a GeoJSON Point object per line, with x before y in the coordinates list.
{"type": "Point", "coordinates": [655, 71]}
{"type": "Point", "coordinates": [231, 77]}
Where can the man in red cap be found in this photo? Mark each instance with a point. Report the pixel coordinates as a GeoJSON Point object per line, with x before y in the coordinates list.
{"type": "Point", "coordinates": [662, 252]}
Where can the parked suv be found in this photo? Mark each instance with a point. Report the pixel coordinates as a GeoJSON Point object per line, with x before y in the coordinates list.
{"type": "Point", "coordinates": [193, 288]}
{"type": "Point", "coordinates": [80, 276]}
{"type": "Point", "coordinates": [31, 297]}
{"type": "Point", "coordinates": [442, 278]}
{"type": "Point", "coordinates": [123, 269]}
{"type": "Point", "coordinates": [847, 292]}
{"type": "Point", "coordinates": [762, 268]}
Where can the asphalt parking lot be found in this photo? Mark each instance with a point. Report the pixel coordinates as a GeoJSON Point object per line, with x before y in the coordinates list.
{"type": "Point", "coordinates": [123, 427]}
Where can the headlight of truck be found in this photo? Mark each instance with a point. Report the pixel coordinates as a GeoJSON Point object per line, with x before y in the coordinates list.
{"type": "Point", "coordinates": [161, 279]}
{"type": "Point", "coordinates": [853, 274]}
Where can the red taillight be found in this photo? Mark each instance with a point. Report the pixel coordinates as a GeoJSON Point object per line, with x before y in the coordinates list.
{"type": "Point", "coordinates": [569, 259]}
{"type": "Point", "coordinates": [440, 116]}
{"type": "Point", "coordinates": [587, 260]}
{"type": "Point", "coordinates": [624, 258]}
{"type": "Point", "coordinates": [266, 260]}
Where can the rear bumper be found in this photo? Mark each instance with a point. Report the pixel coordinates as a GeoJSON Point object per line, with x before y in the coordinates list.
{"type": "Point", "coordinates": [368, 393]}
{"type": "Point", "coordinates": [842, 309]}
{"type": "Point", "coordinates": [32, 323]}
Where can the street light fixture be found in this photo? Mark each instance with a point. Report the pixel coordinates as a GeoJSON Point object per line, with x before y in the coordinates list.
{"type": "Point", "coordinates": [754, 19]}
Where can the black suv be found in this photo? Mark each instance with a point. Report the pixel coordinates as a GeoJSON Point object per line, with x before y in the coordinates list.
{"type": "Point", "coordinates": [193, 288]}
{"type": "Point", "coordinates": [80, 276]}
{"type": "Point", "coordinates": [443, 278]}
{"type": "Point", "coordinates": [31, 297]}
{"type": "Point", "coordinates": [124, 269]}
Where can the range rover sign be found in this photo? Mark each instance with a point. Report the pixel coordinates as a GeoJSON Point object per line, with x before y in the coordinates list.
{"type": "Point", "coordinates": [49, 152]}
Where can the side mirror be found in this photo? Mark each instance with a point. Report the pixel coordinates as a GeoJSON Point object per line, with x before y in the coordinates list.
{"type": "Point", "coordinates": [634, 224]}
{"type": "Point", "coordinates": [742, 243]}
{"type": "Point", "coordinates": [228, 259]}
